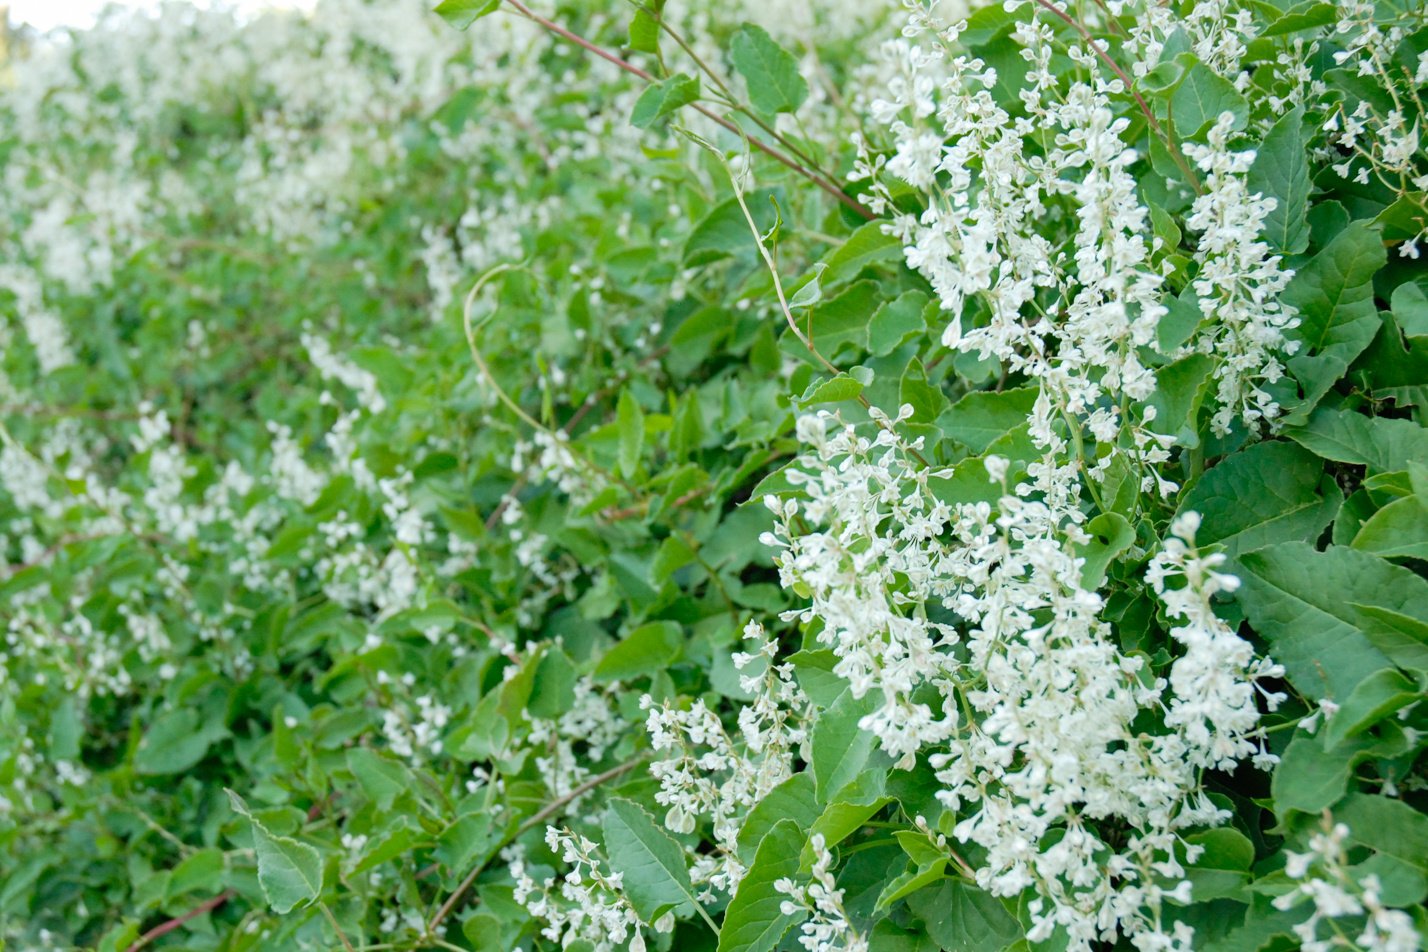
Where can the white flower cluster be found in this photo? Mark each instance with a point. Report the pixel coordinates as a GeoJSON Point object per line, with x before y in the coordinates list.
{"type": "Point", "coordinates": [587, 906]}
{"type": "Point", "coordinates": [827, 928]}
{"type": "Point", "coordinates": [1036, 221]}
{"type": "Point", "coordinates": [1238, 281]}
{"type": "Point", "coordinates": [710, 775]}
{"type": "Point", "coordinates": [872, 573]}
{"type": "Point", "coordinates": [580, 736]}
{"type": "Point", "coordinates": [1039, 727]}
{"type": "Point", "coordinates": [333, 366]}
{"type": "Point", "coordinates": [1326, 881]}
{"type": "Point", "coordinates": [1214, 683]}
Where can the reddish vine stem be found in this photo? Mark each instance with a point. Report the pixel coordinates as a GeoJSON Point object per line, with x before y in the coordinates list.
{"type": "Point", "coordinates": [1130, 88]}
{"type": "Point", "coordinates": [163, 929]}
{"type": "Point", "coordinates": [826, 185]}
{"type": "Point", "coordinates": [615, 515]}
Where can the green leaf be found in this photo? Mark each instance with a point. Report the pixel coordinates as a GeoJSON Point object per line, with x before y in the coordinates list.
{"type": "Point", "coordinates": [1281, 171]}
{"type": "Point", "coordinates": [1180, 389]}
{"type": "Point", "coordinates": [982, 416]}
{"type": "Point", "coordinates": [1381, 444]}
{"type": "Point", "coordinates": [896, 322]}
{"type": "Point", "coordinates": [1310, 779]}
{"type": "Point", "coordinates": [908, 882]}
{"type": "Point", "coordinates": [647, 649]}
{"type": "Point", "coordinates": [794, 800]}
{"type": "Point", "coordinates": [848, 810]}
{"type": "Point", "coordinates": [928, 865]}
{"type": "Point", "coordinates": [1303, 16]}
{"type": "Point", "coordinates": [656, 877]}
{"type": "Point", "coordinates": [1200, 98]}
{"type": "Point", "coordinates": [831, 390]}
{"type": "Point", "coordinates": [661, 99]}
{"type": "Point", "coordinates": [1333, 294]}
{"type": "Point", "coordinates": [644, 32]}
{"type": "Point", "coordinates": [1261, 926]}
{"type": "Point", "coordinates": [202, 871]}
{"type": "Point", "coordinates": [401, 836]}
{"type": "Point", "coordinates": [462, 843]}
{"type": "Point", "coordinates": [1111, 534]}
{"type": "Point", "coordinates": [1398, 530]}
{"type": "Point", "coordinates": [841, 320]}
{"type": "Point", "coordinates": [725, 232]}
{"type": "Point", "coordinates": [1223, 869]}
{"type": "Point", "coordinates": [553, 688]}
{"type": "Point", "coordinates": [1403, 883]}
{"type": "Point", "coordinates": [963, 918]}
{"type": "Point", "coordinates": [462, 13]}
{"type": "Point", "coordinates": [1301, 601]}
{"type": "Point", "coordinates": [814, 670]}
{"type": "Point", "coordinates": [869, 245]}
{"type": "Point", "coordinates": [1402, 637]}
{"type": "Point", "coordinates": [811, 291]}
{"type": "Point", "coordinates": [1395, 365]}
{"type": "Point", "coordinates": [175, 742]}
{"type": "Point", "coordinates": [382, 779]}
{"type": "Point", "coordinates": [754, 921]}
{"type": "Point", "coordinates": [1270, 492]}
{"type": "Point", "coordinates": [1410, 309]}
{"type": "Point", "coordinates": [630, 421]}
{"type": "Point", "coordinates": [927, 400]}
{"type": "Point", "coordinates": [289, 872]}
{"type": "Point", "coordinates": [1387, 825]}
{"type": "Point", "coordinates": [770, 71]}
{"type": "Point", "coordinates": [840, 747]}
{"type": "Point", "coordinates": [1376, 696]}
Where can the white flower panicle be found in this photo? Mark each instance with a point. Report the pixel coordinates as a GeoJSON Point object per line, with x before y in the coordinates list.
{"type": "Point", "coordinates": [973, 625]}
{"type": "Point", "coordinates": [584, 905]}
{"type": "Point", "coordinates": [1036, 238]}
{"type": "Point", "coordinates": [1346, 911]}
{"type": "Point", "coordinates": [1238, 282]}
{"type": "Point", "coordinates": [709, 774]}
{"type": "Point", "coordinates": [827, 928]}
{"type": "Point", "coordinates": [872, 574]}
{"type": "Point", "coordinates": [1213, 685]}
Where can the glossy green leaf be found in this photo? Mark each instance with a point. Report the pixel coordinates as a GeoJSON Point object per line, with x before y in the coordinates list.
{"type": "Point", "coordinates": [1267, 493]}
{"type": "Point", "coordinates": [771, 72]}
{"type": "Point", "coordinates": [462, 13]}
{"type": "Point", "coordinates": [289, 871]}
{"type": "Point", "coordinates": [1383, 445]}
{"type": "Point", "coordinates": [645, 650]}
{"type": "Point", "coordinates": [754, 921]}
{"type": "Point", "coordinates": [656, 875]}
{"type": "Point", "coordinates": [631, 421]}
{"type": "Point", "coordinates": [963, 918]}
{"type": "Point", "coordinates": [1398, 530]}
{"type": "Point", "coordinates": [1374, 698]}
{"type": "Point", "coordinates": [1333, 294]}
{"type": "Point", "coordinates": [840, 747]}
{"type": "Point", "coordinates": [1301, 600]}
{"type": "Point", "coordinates": [1281, 171]}
{"type": "Point", "coordinates": [664, 98]}
{"type": "Point", "coordinates": [176, 741]}
{"type": "Point", "coordinates": [382, 779]}
{"type": "Point", "coordinates": [793, 800]}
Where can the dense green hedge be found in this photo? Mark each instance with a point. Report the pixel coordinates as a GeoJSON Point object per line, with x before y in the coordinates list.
{"type": "Point", "coordinates": [740, 476]}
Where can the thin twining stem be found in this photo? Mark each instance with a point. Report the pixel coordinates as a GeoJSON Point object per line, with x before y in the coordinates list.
{"type": "Point", "coordinates": [728, 94]}
{"type": "Point", "coordinates": [825, 184]}
{"type": "Point", "coordinates": [1130, 88]}
{"type": "Point", "coordinates": [767, 256]}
